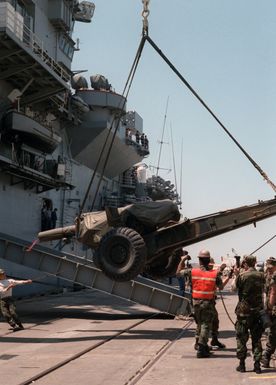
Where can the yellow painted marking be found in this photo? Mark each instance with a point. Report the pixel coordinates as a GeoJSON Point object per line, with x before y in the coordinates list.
{"type": "Point", "coordinates": [262, 377]}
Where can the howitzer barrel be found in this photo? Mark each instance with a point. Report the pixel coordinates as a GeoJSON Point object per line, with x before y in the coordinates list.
{"type": "Point", "coordinates": [59, 233]}
{"type": "Point", "coordinates": [201, 228]}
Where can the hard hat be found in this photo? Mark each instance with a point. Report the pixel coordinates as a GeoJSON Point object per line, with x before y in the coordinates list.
{"type": "Point", "coordinates": [204, 254]}
{"type": "Point", "coordinates": [2, 271]}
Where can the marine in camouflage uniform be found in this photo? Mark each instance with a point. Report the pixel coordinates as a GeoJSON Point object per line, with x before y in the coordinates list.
{"type": "Point", "coordinates": [250, 286]}
{"type": "Point", "coordinates": [204, 309]}
{"type": "Point", "coordinates": [271, 310]}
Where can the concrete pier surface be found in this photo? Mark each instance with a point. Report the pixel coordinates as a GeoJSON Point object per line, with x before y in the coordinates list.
{"type": "Point", "coordinates": [87, 337]}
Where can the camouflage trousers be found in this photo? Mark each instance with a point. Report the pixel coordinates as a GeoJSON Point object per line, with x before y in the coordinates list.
{"type": "Point", "coordinates": [214, 330]}
{"type": "Point", "coordinates": [8, 310]}
{"type": "Point", "coordinates": [245, 326]}
{"type": "Point", "coordinates": [204, 316]}
{"type": "Point", "coordinates": [271, 338]}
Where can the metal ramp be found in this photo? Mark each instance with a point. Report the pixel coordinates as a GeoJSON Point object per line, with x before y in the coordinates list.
{"type": "Point", "coordinates": [79, 271]}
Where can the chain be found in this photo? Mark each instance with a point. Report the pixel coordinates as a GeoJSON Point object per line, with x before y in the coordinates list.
{"type": "Point", "coordinates": [145, 15]}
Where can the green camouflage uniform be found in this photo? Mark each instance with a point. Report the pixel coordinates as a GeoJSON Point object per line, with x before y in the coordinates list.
{"type": "Point", "coordinates": [206, 313]}
{"type": "Point", "coordinates": [8, 310]}
{"type": "Point", "coordinates": [250, 286]}
{"type": "Point", "coordinates": [271, 338]}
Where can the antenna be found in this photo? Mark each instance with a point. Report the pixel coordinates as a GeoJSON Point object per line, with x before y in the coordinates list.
{"type": "Point", "coordinates": [181, 168]}
{"type": "Point", "coordinates": [162, 137]}
{"type": "Point", "coordinates": [174, 170]}
{"type": "Point", "coordinates": [151, 166]}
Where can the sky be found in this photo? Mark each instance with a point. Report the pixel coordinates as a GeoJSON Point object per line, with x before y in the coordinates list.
{"type": "Point", "coordinates": [226, 51]}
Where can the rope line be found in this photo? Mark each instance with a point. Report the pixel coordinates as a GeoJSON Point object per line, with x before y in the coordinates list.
{"type": "Point", "coordinates": [265, 243]}
{"type": "Point", "coordinates": [225, 308]}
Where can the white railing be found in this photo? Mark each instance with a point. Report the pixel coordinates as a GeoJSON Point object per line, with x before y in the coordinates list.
{"type": "Point", "coordinates": [13, 21]}
{"type": "Point", "coordinates": [36, 45]}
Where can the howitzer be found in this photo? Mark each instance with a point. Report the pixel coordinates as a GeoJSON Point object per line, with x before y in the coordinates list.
{"type": "Point", "coordinates": [148, 237]}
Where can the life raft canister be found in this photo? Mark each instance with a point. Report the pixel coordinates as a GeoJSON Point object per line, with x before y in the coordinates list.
{"type": "Point", "coordinates": [203, 283]}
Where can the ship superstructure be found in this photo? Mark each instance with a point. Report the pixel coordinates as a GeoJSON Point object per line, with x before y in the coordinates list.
{"type": "Point", "coordinates": [53, 127]}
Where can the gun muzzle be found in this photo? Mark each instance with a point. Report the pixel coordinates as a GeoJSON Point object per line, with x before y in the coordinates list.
{"type": "Point", "coordinates": [59, 233]}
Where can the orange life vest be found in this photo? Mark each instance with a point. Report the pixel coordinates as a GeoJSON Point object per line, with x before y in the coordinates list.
{"type": "Point", "coordinates": [203, 283]}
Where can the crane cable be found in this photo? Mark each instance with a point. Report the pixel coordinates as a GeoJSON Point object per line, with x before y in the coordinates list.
{"type": "Point", "coordinates": [145, 15]}
{"type": "Point", "coordinates": [142, 43]}
{"type": "Point", "coordinates": [128, 84]}
{"type": "Point", "coordinates": [158, 50]}
{"type": "Point", "coordinates": [117, 118]}
{"type": "Point", "coordinates": [145, 37]}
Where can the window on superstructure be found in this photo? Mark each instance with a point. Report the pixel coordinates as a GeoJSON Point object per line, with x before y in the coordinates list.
{"type": "Point", "coordinates": [27, 11]}
{"type": "Point", "coordinates": [66, 45]}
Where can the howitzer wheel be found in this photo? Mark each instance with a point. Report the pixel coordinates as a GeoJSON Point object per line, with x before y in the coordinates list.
{"type": "Point", "coordinates": [122, 254]}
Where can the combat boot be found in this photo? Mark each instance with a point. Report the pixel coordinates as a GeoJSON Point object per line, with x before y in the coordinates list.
{"type": "Point", "coordinates": [257, 367]}
{"type": "Point", "coordinates": [216, 343]}
{"type": "Point", "coordinates": [203, 351]}
{"type": "Point", "coordinates": [196, 344]}
{"type": "Point", "coordinates": [241, 367]}
{"type": "Point", "coordinates": [265, 360]}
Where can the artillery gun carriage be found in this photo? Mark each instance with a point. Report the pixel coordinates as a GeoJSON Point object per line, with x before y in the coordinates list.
{"type": "Point", "coordinates": [148, 237]}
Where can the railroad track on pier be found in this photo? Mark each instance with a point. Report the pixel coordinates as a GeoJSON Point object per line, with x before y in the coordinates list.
{"type": "Point", "coordinates": [93, 347]}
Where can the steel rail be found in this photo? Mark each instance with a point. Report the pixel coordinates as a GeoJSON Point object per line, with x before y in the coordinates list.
{"type": "Point", "coordinates": [83, 352]}
{"type": "Point", "coordinates": [161, 352]}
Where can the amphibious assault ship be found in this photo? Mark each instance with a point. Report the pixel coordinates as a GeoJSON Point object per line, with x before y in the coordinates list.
{"type": "Point", "coordinates": [53, 126]}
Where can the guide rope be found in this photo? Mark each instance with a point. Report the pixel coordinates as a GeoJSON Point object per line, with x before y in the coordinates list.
{"type": "Point", "coordinates": [265, 243]}
{"type": "Point", "coordinates": [225, 308]}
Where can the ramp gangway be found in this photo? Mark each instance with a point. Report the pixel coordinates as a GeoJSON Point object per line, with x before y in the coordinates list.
{"type": "Point", "coordinates": [80, 271]}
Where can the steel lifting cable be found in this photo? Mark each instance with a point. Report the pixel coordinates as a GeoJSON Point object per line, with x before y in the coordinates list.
{"type": "Point", "coordinates": [264, 175]}
{"type": "Point", "coordinates": [127, 87]}
{"type": "Point", "coordinates": [265, 243]}
{"type": "Point", "coordinates": [145, 15]}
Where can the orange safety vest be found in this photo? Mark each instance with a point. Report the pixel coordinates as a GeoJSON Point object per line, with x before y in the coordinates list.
{"type": "Point", "coordinates": [203, 283]}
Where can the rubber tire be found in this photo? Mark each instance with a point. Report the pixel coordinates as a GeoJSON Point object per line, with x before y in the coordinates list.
{"type": "Point", "coordinates": [167, 269]}
{"type": "Point", "coordinates": [128, 247]}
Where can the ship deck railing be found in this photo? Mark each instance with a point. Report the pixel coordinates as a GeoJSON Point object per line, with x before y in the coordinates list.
{"type": "Point", "coordinates": [13, 21]}
{"type": "Point", "coordinates": [36, 45]}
